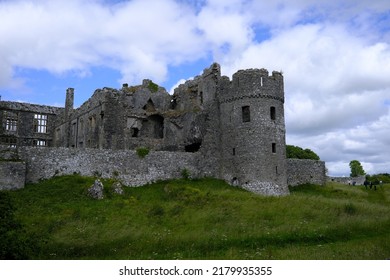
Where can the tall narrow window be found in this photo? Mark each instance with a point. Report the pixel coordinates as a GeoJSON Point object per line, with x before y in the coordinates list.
{"type": "Point", "coordinates": [11, 124]}
{"type": "Point", "coordinates": [273, 148]}
{"type": "Point", "coordinates": [273, 113]}
{"type": "Point", "coordinates": [92, 122]}
{"type": "Point", "coordinates": [40, 123]}
{"type": "Point", "coordinates": [11, 121]}
{"type": "Point", "coordinates": [246, 114]}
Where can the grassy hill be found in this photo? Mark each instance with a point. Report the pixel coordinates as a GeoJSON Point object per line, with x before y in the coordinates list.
{"type": "Point", "coordinates": [197, 219]}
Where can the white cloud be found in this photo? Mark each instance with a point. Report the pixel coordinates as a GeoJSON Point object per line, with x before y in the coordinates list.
{"type": "Point", "coordinates": [136, 37]}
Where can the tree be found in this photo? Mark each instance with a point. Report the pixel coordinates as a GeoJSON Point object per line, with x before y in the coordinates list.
{"type": "Point", "coordinates": [356, 168]}
{"type": "Point", "coordinates": [298, 152]}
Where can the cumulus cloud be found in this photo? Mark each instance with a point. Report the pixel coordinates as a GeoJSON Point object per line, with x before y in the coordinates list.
{"type": "Point", "coordinates": [135, 37]}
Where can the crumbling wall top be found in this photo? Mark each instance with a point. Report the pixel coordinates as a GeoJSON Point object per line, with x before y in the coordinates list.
{"type": "Point", "coordinates": [27, 107]}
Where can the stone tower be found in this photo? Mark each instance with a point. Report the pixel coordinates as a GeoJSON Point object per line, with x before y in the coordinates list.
{"type": "Point", "coordinates": [253, 146]}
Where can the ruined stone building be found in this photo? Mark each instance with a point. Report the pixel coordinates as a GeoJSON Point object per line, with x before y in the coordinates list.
{"type": "Point", "coordinates": [213, 126]}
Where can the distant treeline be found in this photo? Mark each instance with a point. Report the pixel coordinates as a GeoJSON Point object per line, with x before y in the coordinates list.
{"type": "Point", "coordinates": [298, 152]}
{"type": "Point", "coordinates": [384, 177]}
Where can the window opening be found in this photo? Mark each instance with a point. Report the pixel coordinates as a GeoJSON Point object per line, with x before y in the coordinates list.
{"type": "Point", "coordinates": [40, 123]}
{"type": "Point", "coordinates": [40, 143]}
{"type": "Point", "coordinates": [234, 151]}
{"type": "Point", "coordinates": [9, 141]}
{"type": "Point", "coordinates": [73, 129]}
{"type": "Point", "coordinates": [149, 106]}
{"type": "Point", "coordinates": [273, 148]}
{"type": "Point", "coordinates": [134, 132]}
{"type": "Point", "coordinates": [246, 114]}
{"type": "Point", "coordinates": [81, 127]}
{"type": "Point", "coordinates": [173, 103]}
{"type": "Point", "coordinates": [273, 113]}
{"type": "Point", "coordinates": [11, 124]}
{"type": "Point", "coordinates": [194, 147]}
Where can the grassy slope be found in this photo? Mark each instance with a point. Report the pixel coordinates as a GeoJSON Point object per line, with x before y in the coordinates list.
{"type": "Point", "coordinates": [205, 219]}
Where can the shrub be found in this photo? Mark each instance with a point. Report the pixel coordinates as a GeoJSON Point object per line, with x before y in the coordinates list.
{"type": "Point", "coordinates": [142, 152]}
{"type": "Point", "coordinates": [153, 87]}
{"type": "Point", "coordinates": [185, 173]}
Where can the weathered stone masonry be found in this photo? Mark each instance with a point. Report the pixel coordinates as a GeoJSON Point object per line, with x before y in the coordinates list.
{"type": "Point", "coordinates": [124, 165]}
{"type": "Point", "coordinates": [12, 175]}
{"type": "Point", "coordinates": [212, 126]}
{"type": "Point", "coordinates": [302, 171]}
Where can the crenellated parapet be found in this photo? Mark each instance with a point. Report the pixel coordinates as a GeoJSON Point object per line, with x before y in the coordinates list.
{"type": "Point", "coordinates": [253, 83]}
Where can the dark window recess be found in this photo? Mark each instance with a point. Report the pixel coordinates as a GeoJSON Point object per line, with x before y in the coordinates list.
{"type": "Point", "coordinates": [149, 106]}
{"type": "Point", "coordinates": [234, 151]}
{"type": "Point", "coordinates": [158, 126]}
{"type": "Point", "coordinates": [173, 103]}
{"type": "Point", "coordinates": [201, 97]}
{"type": "Point", "coordinates": [274, 148]}
{"type": "Point", "coordinates": [194, 147]}
{"type": "Point", "coordinates": [134, 132]}
{"type": "Point", "coordinates": [246, 114]}
{"type": "Point", "coordinates": [273, 113]}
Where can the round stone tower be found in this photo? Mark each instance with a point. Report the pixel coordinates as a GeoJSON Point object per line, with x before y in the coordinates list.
{"type": "Point", "coordinates": [253, 146]}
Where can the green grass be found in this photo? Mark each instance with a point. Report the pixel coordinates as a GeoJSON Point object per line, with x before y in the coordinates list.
{"type": "Point", "coordinates": [203, 219]}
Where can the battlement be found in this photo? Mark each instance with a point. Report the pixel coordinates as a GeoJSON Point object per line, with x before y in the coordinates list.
{"type": "Point", "coordinates": [252, 83]}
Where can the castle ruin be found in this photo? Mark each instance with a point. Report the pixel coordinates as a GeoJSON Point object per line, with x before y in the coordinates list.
{"type": "Point", "coordinates": [211, 126]}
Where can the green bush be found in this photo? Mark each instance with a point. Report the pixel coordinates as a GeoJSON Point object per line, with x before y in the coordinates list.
{"type": "Point", "coordinates": [142, 152]}
{"type": "Point", "coordinates": [185, 173]}
{"type": "Point", "coordinates": [153, 87]}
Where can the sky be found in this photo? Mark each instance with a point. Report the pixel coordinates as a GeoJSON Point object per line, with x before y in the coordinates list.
{"type": "Point", "coordinates": [334, 55]}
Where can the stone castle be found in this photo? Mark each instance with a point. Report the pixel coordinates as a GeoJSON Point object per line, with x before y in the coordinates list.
{"type": "Point", "coordinates": [211, 126]}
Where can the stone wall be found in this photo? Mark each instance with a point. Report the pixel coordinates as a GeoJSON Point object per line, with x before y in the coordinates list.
{"type": "Point", "coordinates": [303, 171]}
{"type": "Point", "coordinates": [348, 180]}
{"type": "Point", "coordinates": [12, 175]}
{"type": "Point", "coordinates": [125, 165]}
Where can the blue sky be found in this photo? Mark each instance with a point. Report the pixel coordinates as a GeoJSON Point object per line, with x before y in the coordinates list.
{"type": "Point", "coordinates": [335, 56]}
